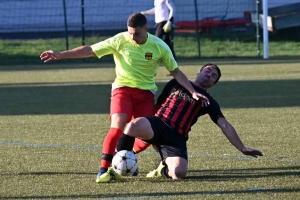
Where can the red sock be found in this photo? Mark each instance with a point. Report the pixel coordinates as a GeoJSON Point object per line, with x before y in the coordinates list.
{"type": "Point", "coordinates": [139, 145]}
{"type": "Point", "coordinates": [109, 145]}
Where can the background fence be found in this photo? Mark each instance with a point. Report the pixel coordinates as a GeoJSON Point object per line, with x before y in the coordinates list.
{"type": "Point", "coordinates": [227, 28]}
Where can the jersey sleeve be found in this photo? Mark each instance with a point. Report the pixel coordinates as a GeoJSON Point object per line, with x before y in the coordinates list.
{"type": "Point", "coordinates": [168, 59]}
{"type": "Point", "coordinates": [214, 111]}
{"type": "Point", "coordinates": [105, 47]}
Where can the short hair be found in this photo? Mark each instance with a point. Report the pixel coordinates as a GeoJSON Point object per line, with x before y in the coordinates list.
{"type": "Point", "coordinates": [136, 20]}
{"type": "Point", "coordinates": [216, 67]}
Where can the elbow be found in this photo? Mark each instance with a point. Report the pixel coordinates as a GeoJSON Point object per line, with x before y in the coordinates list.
{"type": "Point", "coordinates": [91, 53]}
{"type": "Point", "coordinates": [223, 124]}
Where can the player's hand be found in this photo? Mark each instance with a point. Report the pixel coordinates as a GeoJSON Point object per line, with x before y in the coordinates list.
{"type": "Point", "coordinates": [167, 27]}
{"type": "Point", "coordinates": [47, 56]}
{"type": "Point", "coordinates": [204, 100]}
{"type": "Point", "coordinates": [251, 152]}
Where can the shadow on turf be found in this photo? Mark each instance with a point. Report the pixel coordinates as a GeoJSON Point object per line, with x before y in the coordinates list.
{"type": "Point", "coordinates": [28, 63]}
{"type": "Point", "coordinates": [160, 194]}
{"type": "Point", "coordinates": [95, 99]}
{"type": "Point", "coordinates": [210, 175]}
{"type": "Point", "coordinates": [234, 174]}
{"type": "Point", "coordinates": [45, 173]}
{"type": "Point", "coordinates": [24, 62]}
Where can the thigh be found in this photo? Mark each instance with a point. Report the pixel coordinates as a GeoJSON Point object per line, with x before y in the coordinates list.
{"type": "Point", "coordinates": [168, 142]}
{"type": "Point", "coordinates": [173, 150]}
{"type": "Point", "coordinates": [121, 102]}
{"type": "Point", "coordinates": [140, 128]}
{"type": "Point", "coordinates": [157, 129]}
{"type": "Point", "coordinates": [144, 103]}
{"type": "Point", "coordinates": [159, 32]}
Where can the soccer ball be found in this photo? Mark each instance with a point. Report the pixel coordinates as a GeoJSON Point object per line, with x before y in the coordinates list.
{"type": "Point", "coordinates": [125, 163]}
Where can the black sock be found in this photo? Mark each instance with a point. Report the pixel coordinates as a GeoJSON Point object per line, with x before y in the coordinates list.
{"type": "Point", "coordinates": [107, 157]}
{"type": "Point", "coordinates": [103, 170]}
{"type": "Point", "coordinates": [165, 172]}
{"type": "Point", "coordinates": [126, 142]}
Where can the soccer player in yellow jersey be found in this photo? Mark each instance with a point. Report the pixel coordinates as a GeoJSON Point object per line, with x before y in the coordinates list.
{"type": "Point", "coordinates": [137, 55]}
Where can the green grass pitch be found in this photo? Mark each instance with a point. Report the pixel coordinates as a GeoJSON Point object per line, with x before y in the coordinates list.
{"type": "Point", "coordinates": [53, 119]}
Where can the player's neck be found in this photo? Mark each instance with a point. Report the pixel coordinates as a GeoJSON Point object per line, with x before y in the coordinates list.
{"type": "Point", "coordinates": [199, 86]}
{"type": "Point", "coordinates": [146, 38]}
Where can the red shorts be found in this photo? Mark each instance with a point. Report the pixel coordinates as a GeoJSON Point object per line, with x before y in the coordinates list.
{"type": "Point", "coordinates": [132, 101]}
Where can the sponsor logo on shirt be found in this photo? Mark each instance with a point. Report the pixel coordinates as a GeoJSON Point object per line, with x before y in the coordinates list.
{"type": "Point", "coordinates": [148, 55]}
{"type": "Point", "coordinates": [183, 96]}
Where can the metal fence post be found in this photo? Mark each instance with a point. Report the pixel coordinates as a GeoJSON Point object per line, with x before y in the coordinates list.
{"type": "Point", "coordinates": [66, 25]}
{"type": "Point", "coordinates": [82, 26]}
{"type": "Point", "coordinates": [82, 23]}
{"type": "Point", "coordinates": [257, 28]}
{"type": "Point", "coordinates": [197, 27]}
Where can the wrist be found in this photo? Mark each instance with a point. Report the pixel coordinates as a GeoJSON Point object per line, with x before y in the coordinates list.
{"type": "Point", "coordinates": [241, 148]}
{"type": "Point", "coordinates": [63, 54]}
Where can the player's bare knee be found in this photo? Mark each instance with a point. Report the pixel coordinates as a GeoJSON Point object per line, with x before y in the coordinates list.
{"type": "Point", "coordinates": [180, 173]}
{"type": "Point", "coordinates": [131, 129]}
{"type": "Point", "coordinates": [140, 124]}
{"type": "Point", "coordinates": [177, 173]}
{"type": "Point", "coordinates": [135, 126]}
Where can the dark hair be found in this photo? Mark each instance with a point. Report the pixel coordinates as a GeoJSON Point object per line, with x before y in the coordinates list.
{"type": "Point", "coordinates": [136, 20]}
{"type": "Point", "coordinates": [216, 67]}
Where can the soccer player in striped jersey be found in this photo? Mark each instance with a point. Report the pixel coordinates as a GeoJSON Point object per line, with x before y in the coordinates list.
{"type": "Point", "coordinates": [137, 55]}
{"type": "Point", "coordinates": [177, 112]}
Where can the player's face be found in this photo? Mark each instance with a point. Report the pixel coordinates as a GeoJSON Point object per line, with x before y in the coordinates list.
{"type": "Point", "coordinates": [207, 77]}
{"type": "Point", "coordinates": [139, 34]}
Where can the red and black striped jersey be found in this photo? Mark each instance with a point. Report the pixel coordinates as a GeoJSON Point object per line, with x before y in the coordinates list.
{"type": "Point", "coordinates": [179, 110]}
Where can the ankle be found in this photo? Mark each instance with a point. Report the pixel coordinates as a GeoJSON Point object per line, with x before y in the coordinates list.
{"type": "Point", "coordinates": [103, 170]}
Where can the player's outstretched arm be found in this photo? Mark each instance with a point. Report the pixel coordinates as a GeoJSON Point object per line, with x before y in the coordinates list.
{"type": "Point", "coordinates": [79, 52]}
{"type": "Point", "coordinates": [235, 140]}
{"type": "Point", "coordinates": [148, 12]}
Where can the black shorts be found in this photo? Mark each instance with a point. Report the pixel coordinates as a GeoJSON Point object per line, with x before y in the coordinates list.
{"type": "Point", "coordinates": [159, 31]}
{"type": "Point", "coordinates": [169, 142]}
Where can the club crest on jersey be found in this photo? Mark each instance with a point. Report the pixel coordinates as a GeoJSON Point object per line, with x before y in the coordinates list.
{"type": "Point", "coordinates": [148, 56]}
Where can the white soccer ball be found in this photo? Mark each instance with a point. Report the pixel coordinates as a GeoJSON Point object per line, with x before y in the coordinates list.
{"type": "Point", "coordinates": [125, 163]}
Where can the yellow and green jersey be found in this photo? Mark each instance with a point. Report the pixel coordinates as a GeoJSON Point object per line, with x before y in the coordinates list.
{"type": "Point", "coordinates": [136, 64]}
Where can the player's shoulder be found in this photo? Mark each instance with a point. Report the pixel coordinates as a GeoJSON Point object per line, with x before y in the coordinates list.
{"type": "Point", "coordinates": [213, 101]}
{"type": "Point", "coordinates": [153, 37]}
{"type": "Point", "coordinates": [157, 41]}
{"type": "Point", "coordinates": [119, 37]}
{"type": "Point", "coordinates": [204, 92]}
